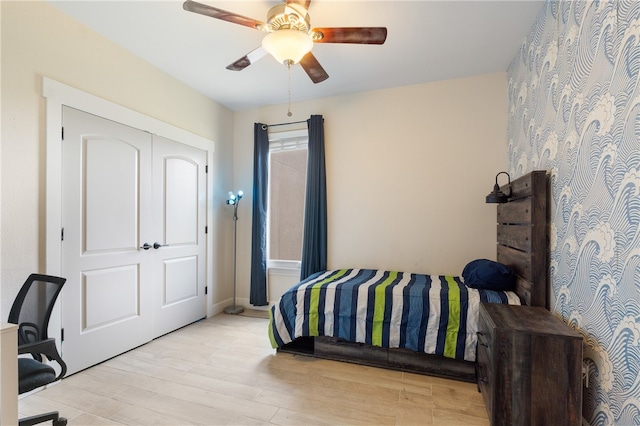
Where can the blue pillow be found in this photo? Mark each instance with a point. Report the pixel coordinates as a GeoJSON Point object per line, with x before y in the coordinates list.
{"type": "Point", "coordinates": [487, 274]}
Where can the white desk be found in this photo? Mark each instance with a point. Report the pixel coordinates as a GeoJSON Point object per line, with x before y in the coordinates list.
{"type": "Point", "coordinates": [8, 374]}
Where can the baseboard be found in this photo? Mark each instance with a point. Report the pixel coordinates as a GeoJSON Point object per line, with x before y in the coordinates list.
{"type": "Point", "coordinates": [218, 308]}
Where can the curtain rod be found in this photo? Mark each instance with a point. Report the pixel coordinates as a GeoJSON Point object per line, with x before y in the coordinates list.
{"type": "Point", "coordinates": [266, 126]}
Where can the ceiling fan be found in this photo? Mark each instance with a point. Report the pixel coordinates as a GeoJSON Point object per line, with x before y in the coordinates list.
{"type": "Point", "coordinates": [290, 37]}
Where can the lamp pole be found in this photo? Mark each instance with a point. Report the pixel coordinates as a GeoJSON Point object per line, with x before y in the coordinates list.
{"type": "Point", "coordinates": [234, 200]}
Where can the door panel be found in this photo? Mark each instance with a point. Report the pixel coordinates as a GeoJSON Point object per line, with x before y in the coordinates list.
{"type": "Point", "coordinates": [110, 296]}
{"type": "Point", "coordinates": [180, 280]}
{"type": "Point", "coordinates": [181, 201]}
{"type": "Point", "coordinates": [107, 300]}
{"type": "Point", "coordinates": [110, 190]}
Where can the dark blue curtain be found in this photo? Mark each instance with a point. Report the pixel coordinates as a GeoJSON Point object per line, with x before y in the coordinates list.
{"type": "Point", "coordinates": [314, 242]}
{"type": "Point", "coordinates": [258, 294]}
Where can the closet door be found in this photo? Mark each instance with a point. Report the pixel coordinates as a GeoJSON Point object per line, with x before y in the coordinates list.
{"type": "Point", "coordinates": [179, 191]}
{"type": "Point", "coordinates": [134, 245]}
{"type": "Point", "coordinates": [106, 203]}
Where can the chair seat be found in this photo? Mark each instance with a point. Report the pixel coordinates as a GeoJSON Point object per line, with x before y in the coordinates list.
{"type": "Point", "coordinates": [32, 374]}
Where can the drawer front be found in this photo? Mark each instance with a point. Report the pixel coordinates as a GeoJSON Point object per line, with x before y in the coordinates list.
{"type": "Point", "coordinates": [485, 334]}
{"type": "Point", "coordinates": [484, 373]}
{"type": "Point", "coordinates": [484, 361]}
{"type": "Point", "coordinates": [485, 341]}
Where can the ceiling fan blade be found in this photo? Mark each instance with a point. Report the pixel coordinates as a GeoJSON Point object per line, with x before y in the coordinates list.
{"type": "Point", "coordinates": [355, 35]}
{"type": "Point", "coordinates": [303, 3]}
{"type": "Point", "coordinates": [313, 68]}
{"type": "Point", "coordinates": [214, 12]}
{"type": "Point", "coordinates": [248, 59]}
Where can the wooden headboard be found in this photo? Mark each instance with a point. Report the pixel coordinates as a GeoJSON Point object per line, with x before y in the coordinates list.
{"type": "Point", "coordinates": [523, 244]}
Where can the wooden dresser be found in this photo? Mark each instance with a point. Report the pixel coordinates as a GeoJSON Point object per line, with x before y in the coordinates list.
{"type": "Point", "coordinates": [8, 374]}
{"type": "Point", "coordinates": [529, 367]}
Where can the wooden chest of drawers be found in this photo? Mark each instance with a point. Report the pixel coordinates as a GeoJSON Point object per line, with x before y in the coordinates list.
{"type": "Point", "coordinates": [529, 367]}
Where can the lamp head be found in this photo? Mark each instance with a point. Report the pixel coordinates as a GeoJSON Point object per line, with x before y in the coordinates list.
{"type": "Point", "coordinates": [497, 196]}
{"type": "Point", "coordinates": [234, 199]}
{"type": "Point", "coordinates": [288, 46]}
{"type": "Point", "coordinates": [288, 26]}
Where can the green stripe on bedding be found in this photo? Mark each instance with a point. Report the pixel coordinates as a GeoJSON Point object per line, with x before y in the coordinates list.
{"type": "Point", "coordinates": [378, 309]}
{"type": "Point", "coordinates": [274, 344]}
{"type": "Point", "coordinates": [314, 301]}
{"type": "Point", "coordinates": [453, 324]}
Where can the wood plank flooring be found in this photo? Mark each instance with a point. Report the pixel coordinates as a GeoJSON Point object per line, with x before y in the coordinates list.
{"type": "Point", "coordinates": [223, 371]}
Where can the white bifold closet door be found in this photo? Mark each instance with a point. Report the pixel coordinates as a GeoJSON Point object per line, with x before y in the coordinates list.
{"type": "Point", "coordinates": [133, 243]}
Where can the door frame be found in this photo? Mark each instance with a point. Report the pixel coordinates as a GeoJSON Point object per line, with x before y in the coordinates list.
{"type": "Point", "coordinates": [56, 95]}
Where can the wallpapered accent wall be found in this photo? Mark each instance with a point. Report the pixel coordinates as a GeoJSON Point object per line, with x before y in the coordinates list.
{"type": "Point", "coordinates": [574, 110]}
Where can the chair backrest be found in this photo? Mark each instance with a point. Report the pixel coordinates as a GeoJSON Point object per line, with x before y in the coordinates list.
{"type": "Point", "coordinates": [33, 305]}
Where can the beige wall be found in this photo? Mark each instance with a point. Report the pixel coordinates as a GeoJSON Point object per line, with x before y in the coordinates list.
{"type": "Point", "coordinates": [407, 172]}
{"type": "Point", "coordinates": [3, 314]}
{"type": "Point", "coordinates": [39, 40]}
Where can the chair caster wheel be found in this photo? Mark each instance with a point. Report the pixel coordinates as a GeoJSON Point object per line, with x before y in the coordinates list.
{"type": "Point", "coordinates": [60, 422]}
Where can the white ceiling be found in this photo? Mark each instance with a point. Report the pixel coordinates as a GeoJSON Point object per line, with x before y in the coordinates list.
{"type": "Point", "coordinates": [427, 41]}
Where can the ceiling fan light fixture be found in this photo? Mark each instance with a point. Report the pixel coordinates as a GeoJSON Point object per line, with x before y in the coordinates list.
{"type": "Point", "coordinates": [287, 46]}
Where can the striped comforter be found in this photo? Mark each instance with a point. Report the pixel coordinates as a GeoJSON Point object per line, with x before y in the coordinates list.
{"type": "Point", "coordinates": [434, 314]}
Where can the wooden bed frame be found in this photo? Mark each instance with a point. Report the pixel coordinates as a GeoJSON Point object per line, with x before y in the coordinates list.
{"type": "Point", "coordinates": [522, 245]}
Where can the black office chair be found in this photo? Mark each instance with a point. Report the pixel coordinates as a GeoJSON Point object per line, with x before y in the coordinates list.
{"type": "Point", "coordinates": [31, 311]}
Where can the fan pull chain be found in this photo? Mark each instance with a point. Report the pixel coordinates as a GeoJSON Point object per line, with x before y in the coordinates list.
{"type": "Point", "coordinates": [289, 106]}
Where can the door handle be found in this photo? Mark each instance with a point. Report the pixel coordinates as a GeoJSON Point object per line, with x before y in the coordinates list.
{"type": "Point", "coordinates": [146, 246]}
{"type": "Point", "coordinates": [158, 245]}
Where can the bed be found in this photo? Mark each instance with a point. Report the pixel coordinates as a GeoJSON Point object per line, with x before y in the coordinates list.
{"type": "Point", "coordinates": [414, 322]}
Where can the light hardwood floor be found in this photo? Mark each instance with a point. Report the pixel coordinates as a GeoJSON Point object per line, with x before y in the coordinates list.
{"type": "Point", "coordinates": [223, 371]}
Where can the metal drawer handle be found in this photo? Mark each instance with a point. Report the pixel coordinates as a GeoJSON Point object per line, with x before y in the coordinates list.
{"type": "Point", "coordinates": [481, 340]}
{"type": "Point", "coordinates": [481, 377]}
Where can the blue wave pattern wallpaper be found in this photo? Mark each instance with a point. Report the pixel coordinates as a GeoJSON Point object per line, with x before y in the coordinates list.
{"type": "Point", "coordinates": [574, 110]}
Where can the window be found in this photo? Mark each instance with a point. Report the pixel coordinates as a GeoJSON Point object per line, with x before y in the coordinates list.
{"type": "Point", "coordinates": [286, 197]}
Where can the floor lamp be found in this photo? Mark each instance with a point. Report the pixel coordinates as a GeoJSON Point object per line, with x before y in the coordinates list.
{"type": "Point", "coordinates": [234, 200]}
